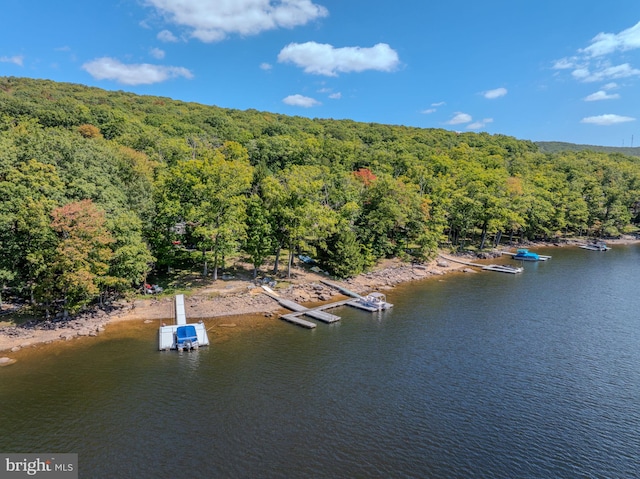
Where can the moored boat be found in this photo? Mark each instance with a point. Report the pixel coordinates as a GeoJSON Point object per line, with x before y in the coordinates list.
{"type": "Point", "coordinates": [526, 255]}
{"type": "Point", "coordinates": [374, 301]}
{"type": "Point", "coordinates": [182, 336]}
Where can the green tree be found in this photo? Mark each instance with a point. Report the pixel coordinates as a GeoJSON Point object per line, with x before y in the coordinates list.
{"type": "Point", "coordinates": [28, 193]}
{"type": "Point", "coordinates": [131, 260]}
{"type": "Point", "coordinates": [209, 193]}
{"type": "Point", "coordinates": [300, 214]}
{"type": "Point", "coordinates": [81, 261]}
{"type": "Point", "coordinates": [344, 256]}
{"type": "Point", "coordinates": [394, 219]}
{"type": "Point", "coordinates": [258, 242]}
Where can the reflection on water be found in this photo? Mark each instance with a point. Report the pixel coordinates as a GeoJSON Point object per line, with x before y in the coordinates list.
{"type": "Point", "coordinates": [476, 375]}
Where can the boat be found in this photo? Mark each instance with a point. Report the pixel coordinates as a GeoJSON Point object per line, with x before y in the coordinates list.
{"type": "Point", "coordinates": [374, 302]}
{"type": "Point", "coordinates": [182, 336]}
{"type": "Point", "coordinates": [526, 255]}
{"type": "Point", "coordinates": [596, 246]}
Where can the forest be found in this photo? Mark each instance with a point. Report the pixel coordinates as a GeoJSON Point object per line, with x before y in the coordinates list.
{"type": "Point", "coordinates": [101, 190]}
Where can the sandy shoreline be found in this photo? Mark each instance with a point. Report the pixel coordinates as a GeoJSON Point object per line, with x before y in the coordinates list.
{"type": "Point", "coordinates": [226, 299]}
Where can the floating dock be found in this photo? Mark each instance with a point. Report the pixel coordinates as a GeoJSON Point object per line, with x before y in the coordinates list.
{"type": "Point", "coordinates": [373, 302]}
{"type": "Point", "coordinates": [597, 246]}
{"type": "Point", "coordinates": [297, 320]}
{"type": "Point", "coordinates": [315, 313]}
{"type": "Point", "coordinates": [503, 268]}
{"type": "Point", "coordinates": [182, 335]}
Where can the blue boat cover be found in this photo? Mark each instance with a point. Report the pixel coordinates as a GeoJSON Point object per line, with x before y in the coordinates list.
{"type": "Point", "coordinates": [186, 333]}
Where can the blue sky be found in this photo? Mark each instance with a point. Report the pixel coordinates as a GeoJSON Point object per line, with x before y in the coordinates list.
{"type": "Point", "coordinates": [549, 70]}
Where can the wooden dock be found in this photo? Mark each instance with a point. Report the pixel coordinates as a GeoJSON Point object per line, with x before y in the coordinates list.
{"type": "Point", "coordinates": [317, 312]}
{"type": "Point", "coordinates": [360, 301]}
{"type": "Point", "coordinates": [299, 310]}
{"type": "Point", "coordinates": [502, 268]}
{"type": "Point", "coordinates": [461, 261]}
{"type": "Point", "coordinates": [341, 289]}
{"type": "Point", "coordinates": [296, 319]}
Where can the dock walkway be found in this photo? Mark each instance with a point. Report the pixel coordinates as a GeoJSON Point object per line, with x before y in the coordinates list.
{"type": "Point", "coordinates": [485, 267]}
{"type": "Point", "coordinates": [460, 261]}
{"type": "Point", "coordinates": [317, 312]}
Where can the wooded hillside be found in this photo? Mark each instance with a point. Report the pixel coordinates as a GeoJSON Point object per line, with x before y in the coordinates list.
{"type": "Point", "coordinates": [99, 188]}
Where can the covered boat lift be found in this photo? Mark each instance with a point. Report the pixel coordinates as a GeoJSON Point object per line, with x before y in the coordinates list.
{"type": "Point", "coordinates": [181, 335]}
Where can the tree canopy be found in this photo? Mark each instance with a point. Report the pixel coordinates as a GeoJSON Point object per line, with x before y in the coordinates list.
{"type": "Point", "coordinates": [100, 189]}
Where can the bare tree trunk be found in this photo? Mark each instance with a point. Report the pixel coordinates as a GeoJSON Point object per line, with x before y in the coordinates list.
{"type": "Point", "coordinates": [215, 267]}
{"type": "Point", "coordinates": [277, 261]}
{"type": "Point", "coordinates": [483, 237]}
{"type": "Point", "coordinates": [290, 263]}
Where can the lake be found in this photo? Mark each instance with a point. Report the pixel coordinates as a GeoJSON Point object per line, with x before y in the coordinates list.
{"type": "Point", "coordinates": [485, 375]}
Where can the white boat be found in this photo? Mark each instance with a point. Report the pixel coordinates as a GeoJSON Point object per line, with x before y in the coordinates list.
{"type": "Point", "coordinates": [374, 302]}
{"type": "Point", "coordinates": [595, 246]}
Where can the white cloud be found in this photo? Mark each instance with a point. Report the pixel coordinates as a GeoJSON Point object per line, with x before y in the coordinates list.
{"type": "Point", "coordinates": [605, 73]}
{"type": "Point", "coordinates": [607, 119]}
{"type": "Point", "coordinates": [581, 74]}
{"type": "Point", "coordinates": [266, 66]}
{"type": "Point", "coordinates": [325, 59]}
{"type": "Point", "coordinates": [157, 53]}
{"type": "Point", "coordinates": [496, 93]}
{"type": "Point", "coordinates": [433, 109]}
{"type": "Point", "coordinates": [460, 118]}
{"type": "Point", "coordinates": [16, 60]}
{"type": "Point", "coordinates": [594, 64]}
{"type": "Point", "coordinates": [167, 37]}
{"type": "Point", "coordinates": [601, 95]}
{"type": "Point", "coordinates": [299, 100]}
{"type": "Point", "coordinates": [477, 125]}
{"type": "Point", "coordinates": [213, 20]}
{"type": "Point", "coordinates": [564, 64]}
{"type": "Point", "coordinates": [605, 43]}
{"type": "Point", "coordinates": [133, 74]}
{"type": "Point", "coordinates": [610, 86]}
{"type": "Point", "coordinates": [335, 96]}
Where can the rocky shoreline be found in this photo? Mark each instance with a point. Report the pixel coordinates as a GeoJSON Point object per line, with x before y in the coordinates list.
{"type": "Point", "coordinates": [226, 299]}
{"type": "Point", "coordinates": [223, 300]}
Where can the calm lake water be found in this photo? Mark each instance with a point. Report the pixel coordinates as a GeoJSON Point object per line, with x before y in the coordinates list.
{"type": "Point", "coordinates": [484, 375]}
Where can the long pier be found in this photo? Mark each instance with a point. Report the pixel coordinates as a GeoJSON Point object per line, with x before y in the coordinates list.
{"type": "Point", "coordinates": [341, 289]}
{"type": "Point", "coordinates": [486, 267]}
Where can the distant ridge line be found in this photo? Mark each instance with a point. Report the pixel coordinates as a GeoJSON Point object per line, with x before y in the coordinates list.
{"type": "Point", "coordinates": [559, 146]}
